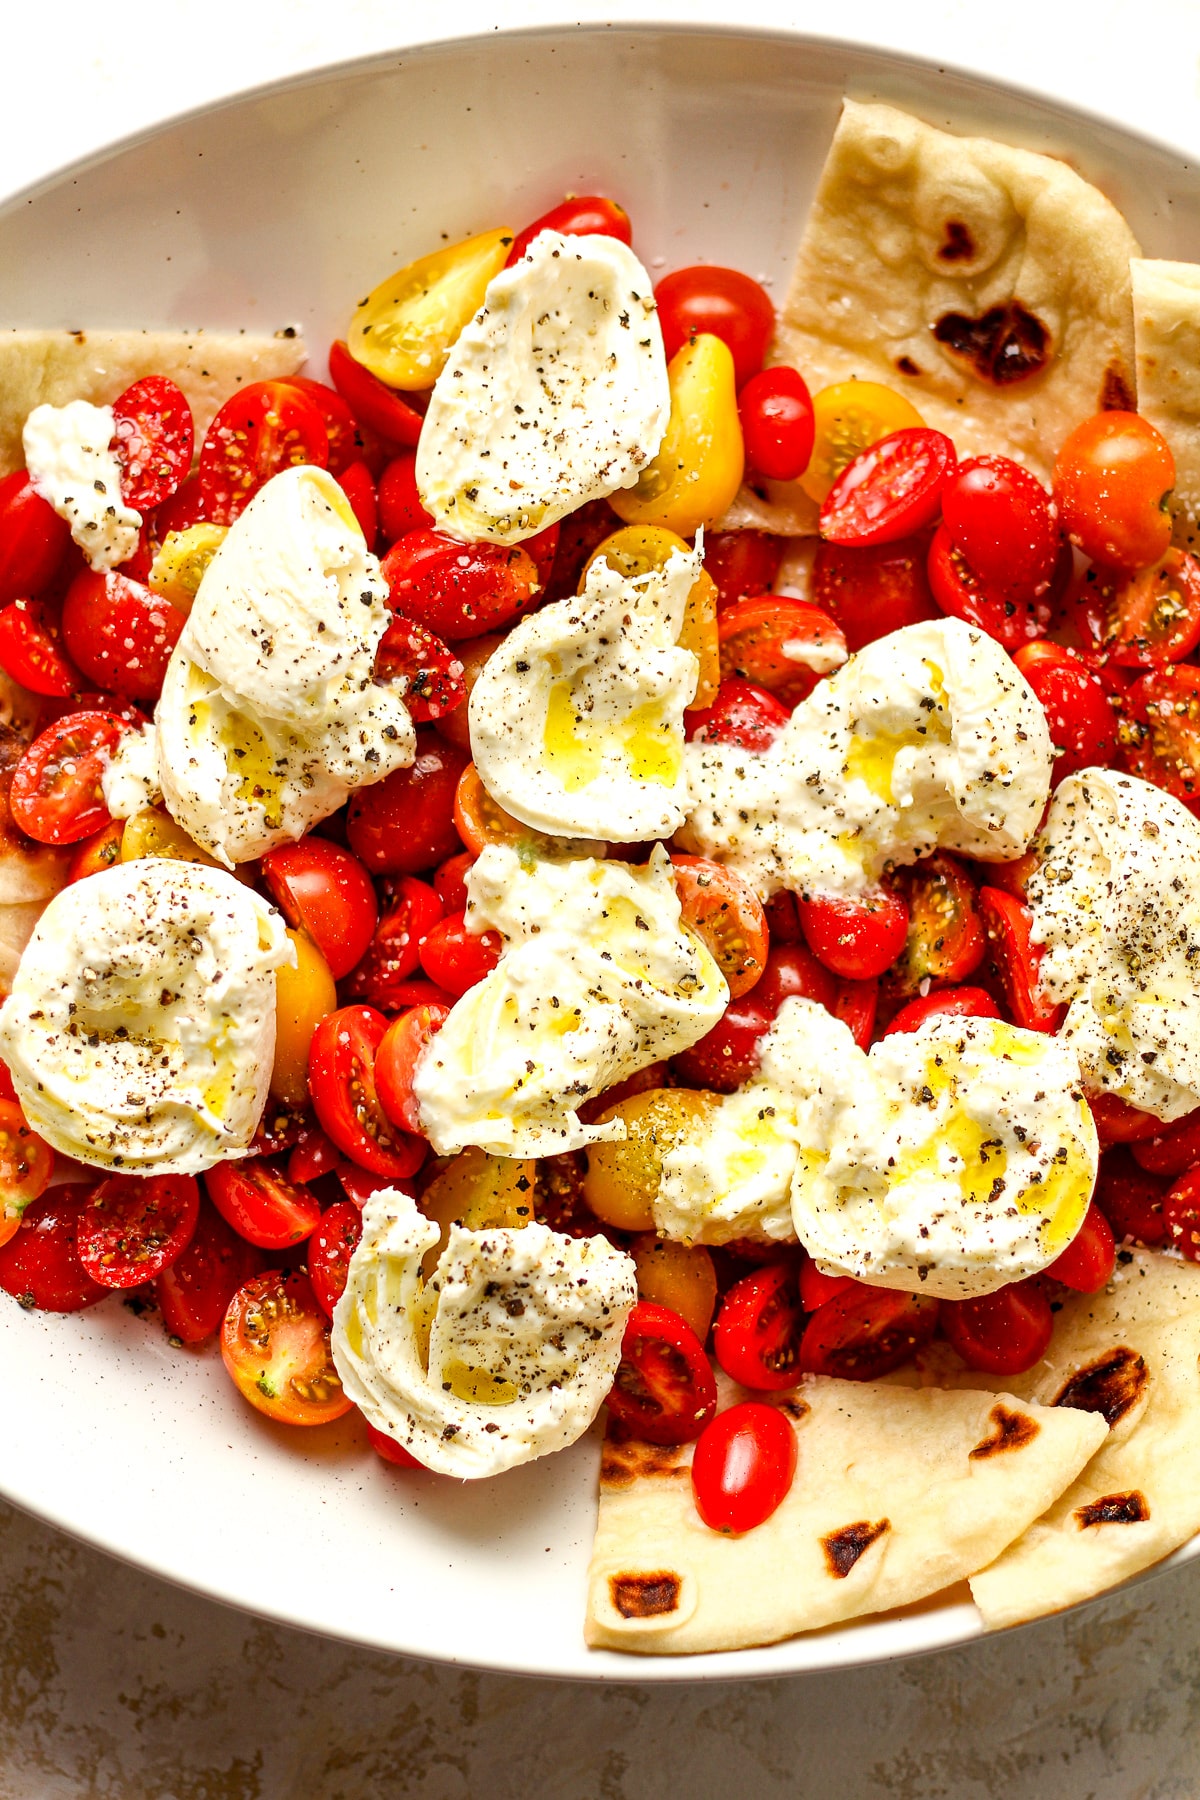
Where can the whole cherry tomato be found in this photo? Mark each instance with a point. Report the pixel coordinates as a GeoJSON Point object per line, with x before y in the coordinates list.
{"type": "Point", "coordinates": [743, 1466]}
{"type": "Point", "coordinates": [325, 890]}
{"type": "Point", "coordinates": [1083, 726]}
{"type": "Point", "coordinates": [56, 796]}
{"type": "Point", "coordinates": [432, 674]}
{"type": "Point", "coordinates": [874, 590]}
{"type": "Point", "coordinates": [741, 714]}
{"type": "Point", "coordinates": [724, 911]}
{"type": "Point", "coordinates": [39, 1265]}
{"type": "Point", "coordinates": [153, 440]}
{"type": "Point", "coordinates": [1088, 1261]}
{"type": "Point", "coordinates": [1131, 1198]}
{"type": "Point", "coordinates": [400, 1050]}
{"type": "Point", "coordinates": [31, 650]}
{"type": "Point", "coordinates": [132, 1227]}
{"type": "Point", "coordinates": [664, 1390]}
{"type": "Point", "coordinates": [1112, 480]}
{"type": "Point", "coordinates": [742, 563]}
{"type": "Point", "coordinates": [1013, 960]}
{"type": "Point", "coordinates": [866, 1332]}
{"type": "Point", "coordinates": [951, 1002]}
{"type": "Point", "coordinates": [756, 1336]}
{"type": "Point", "coordinates": [120, 633]}
{"type": "Point", "coordinates": [1003, 1333]}
{"type": "Point", "coordinates": [723, 303]}
{"type": "Point", "coordinates": [1004, 525]}
{"type": "Point", "coordinates": [341, 1080]}
{"type": "Point", "coordinates": [1181, 1215]}
{"type": "Point", "coordinates": [400, 509]}
{"type": "Point", "coordinates": [583, 215]}
{"type": "Point", "coordinates": [945, 941]}
{"type": "Point", "coordinates": [33, 539]}
{"type": "Point", "coordinates": [394, 953]}
{"type": "Point", "coordinates": [405, 823]}
{"type": "Point", "coordinates": [455, 958]}
{"type": "Point", "coordinates": [780, 644]}
{"type": "Point", "coordinates": [391, 1451]}
{"type": "Point", "coordinates": [776, 411]}
{"type": "Point", "coordinates": [855, 935]}
{"type": "Point", "coordinates": [330, 1248]}
{"type": "Point", "coordinates": [275, 1346]}
{"type": "Point", "coordinates": [265, 427]}
{"type": "Point", "coordinates": [194, 1291]}
{"type": "Point", "coordinates": [1161, 736]}
{"type": "Point", "coordinates": [459, 590]}
{"type": "Point", "coordinates": [890, 490]}
{"type": "Point", "coordinates": [389, 413]}
{"type": "Point", "coordinates": [262, 1205]}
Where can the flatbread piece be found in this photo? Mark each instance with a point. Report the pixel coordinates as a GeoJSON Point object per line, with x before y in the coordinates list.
{"type": "Point", "coordinates": [1166, 327]}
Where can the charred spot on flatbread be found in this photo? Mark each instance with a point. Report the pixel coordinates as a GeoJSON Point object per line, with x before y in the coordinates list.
{"type": "Point", "coordinates": [843, 1548]}
{"type": "Point", "coordinates": [645, 1596]}
{"type": "Point", "coordinates": [624, 1461]}
{"type": "Point", "coordinates": [1005, 344]}
{"type": "Point", "coordinates": [1116, 395]}
{"type": "Point", "coordinates": [959, 245]}
{"type": "Point", "coordinates": [795, 1409]}
{"type": "Point", "coordinates": [1009, 1431]}
{"type": "Point", "coordinates": [907, 366]}
{"type": "Point", "coordinates": [1114, 1509]}
{"type": "Point", "coordinates": [1109, 1386]}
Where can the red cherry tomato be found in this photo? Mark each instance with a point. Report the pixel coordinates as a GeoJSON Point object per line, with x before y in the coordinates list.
{"type": "Point", "coordinates": [1155, 614]}
{"type": "Point", "coordinates": [450, 882]}
{"type": "Point", "coordinates": [1162, 731]}
{"type": "Point", "coordinates": [1112, 480]}
{"type": "Point", "coordinates": [776, 411]}
{"type": "Point", "coordinates": [664, 1390]}
{"type": "Point", "coordinates": [394, 953]}
{"type": "Point", "coordinates": [727, 1055]}
{"type": "Point", "coordinates": [1083, 726]}
{"type": "Point", "coordinates": [120, 633]}
{"type": "Point", "coordinates": [856, 936]}
{"type": "Point", "coordinates": [153, 441]}
{"type": "Point", "coordinates": [341, 428]}
{"type": "Point", "coordinates": [1131, 1198]}
{"type": "Point", "coordinates": [325, 891]}
{"type": "Point", "coordinates": [433, 676]}
{"type": "Point", "coordinates": [358, 486]}
{"type": "Point", "coordinates": [1088, 1261]}
{"type": "Point", "coordinates": [743, 1466]}
{"type": "Point", "coordinates": [330, 1248]}
{"type": "Point", "coordinates": [945, 941]}
{"type": "Point", "coordinates": [31, 650]}
{"type": "Point", "coordinates": [756, 1334]}
{"type": "Point", "coordinates": [1003, 524]}
{"type": "Point", "coordinates": [1173, 1149]}
{"type": "Point", "coordinates": [405, 823]}
{"type": "Point", "coordinates": [372, 403]}
{"type": "Point", "coordinates": [741, 563]}
{"type": "Point", "coordinates": [952, 1002]}
{"type": "Point", "coordinates": [724, 911]}
{"type": "Point", "coordinates": [855, 1004]}
{"type": "Point", "coordinates": [33, 539]}
{"type": "Point", "coordinates": [459, 590]}
{"type": "Point", "coordinates": [1119, 1123]}
{"type": "Point", "coordinates": [584, 215]}
{"type": "Point", "coordinates": [741, 714]}
{"type": "Point", "coordinates": [816, 1288]}
{"type": "Point", "coordinates": [874, 590]}
{"type": "Point", "coordinates": [1181, 1215]}
{"type": "Point", "coordinates": [963, 595]}
{"type": "Point", "coordinates": [39, 1265]}
{"type": "Point", "coordinates": [390, 1450]}
{"type": "Point", "coordinates": [890, 490]}
{"type": "Point", "coordinates": [26, 1161]}
{"type": "Point", "coordinates": [866, 1332]}
{"type": "Point", "coordinates": [456, 959]}
{"type": "Point", "coordinates": [780, 644]}
{"type": "Point", "coordinates": [262, 1205]}
{"type": "Point", "coordinates": [56, 795]}
{"type": "Point", "coordinates": [194, 1291]}
{"type": "Point", "coordinates": [266, 427]}
{"type": "Point", "coordinates": [132, 1227]}
{"type": "Point", "coordinates": [312, 1155]}
{"type": "Point", "coordinates": [396, 1060]}
{"type": "Point", "coordinates": [275, 1347]}
{"type": "Point", "coordinates": [721, 301]}
{"type": "Point", "coordinates": [341, 1080]}
{"type": "Point", "coordinates": [1003, 1333]}
{"type": "Point", "coordinates": [1013, 960]}
{"type": "Point", "coordinates": [400, 509]}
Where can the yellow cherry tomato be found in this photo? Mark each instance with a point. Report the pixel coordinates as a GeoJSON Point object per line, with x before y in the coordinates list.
{"type": "Point", "coordinates": [698, 469]}
{"type": "Point", "coordinates": [680, 1276]}
{"type": "Point", "coordinates": [153, 832]}
{"type": "Point", "coordinates": [182, 558]}
{"type": "Point", "coordinates": [635, 550]}
{"type": "Point", "coordinates": [848, 418]}
{"type": "Point", "coordinates": [622, 1178]}
{"type": "Point", "coordinates": [303, 997]}
{"type": "Point", "coordinates": [404, 328]}
{"type": "Point", "coordinates": [478, 1191]}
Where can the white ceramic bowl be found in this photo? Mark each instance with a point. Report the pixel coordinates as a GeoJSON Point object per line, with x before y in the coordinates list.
{"type": "Point", "coordinates": [282, 208]}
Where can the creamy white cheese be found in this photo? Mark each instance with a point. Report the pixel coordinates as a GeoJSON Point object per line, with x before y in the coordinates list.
{"type": "Point", "coordinates": [928, 737]}
{"type": "Point", "coordinates": [140, 1030]}
{"type": "Point", "coordinates": [130, 778]}
{"type": "Point", "coordinates": [1116, 904]}
{"type": "Point", "coordinates": [270, 716]}
{"type": "Point", "coordinates": [506, 1355]}
{"type": "Point", "coordinates": [577, 719]}
{"type": "Point", "coordinates": [598, 978]}
{"type": "Point", "coordinates": [71, 465]}
{"type": "Point", "coordinates": [556, 393]}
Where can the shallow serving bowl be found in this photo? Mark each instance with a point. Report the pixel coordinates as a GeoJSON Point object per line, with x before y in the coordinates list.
{"type": "Point", "coordinates": [279, 210]}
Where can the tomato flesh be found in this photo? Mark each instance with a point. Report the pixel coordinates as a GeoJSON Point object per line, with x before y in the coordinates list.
{"type": "Point", "coordinates": [399, 1051]}
{"type": "Point", "coordinates": [724, 911]}
{"type": "Point", "coordinates": [756, 1336]}
{"type": "Point", "coordinates": [727, 1056]}
{"type": "Point", "coordinates": [779, 644]}
{"type": "Point", "coordinates": [432, 674]}
{"type": "Point", "coordinates": [1003, 1333]}
{"type": "Point", "coordinates": [56, 794]}
{"type": "Point", "coordinates": [664, 1390]}
{"type": "Point", "coordinates": [330, 1248]}
{"type": "Point", "coordinates": [134, 1226]}
{"type": "Point", "coordinates": [890, 490]}
{"type": "Point", "coordinates": [324, 890]}
{"type": "Point", "coordinates": [743, 1466]}
{"type": "Point", "coordinates": [26, 1162]}
{"type": "Point", "coordinates": [1155, 615]}
{"type": "Point", "coordinates": [866, 1332]}
{"type": "Point", "coordinates": [1013, 960]}
{"type": "Point", "coordinates": [275, 1346]}
{"type": "Point", "coordinates": [153, 441]}
{"type": "Point", "coordinates": [194, 1291]}
{"type": "Point", "coordinates": [961, 593]}
{"type": "Point", "coordinates": [264, 428]}
{"type": "Point", "coordinates": [1161, 735]}
{"type": "Point", "coordinates": [40, 1264]}
{"type": "Point", "coordinates": [945, 941]}
{"type": "Point", "coordinates": [341, 1079]}
{"type": "Point", "coordinates": [31, 650]}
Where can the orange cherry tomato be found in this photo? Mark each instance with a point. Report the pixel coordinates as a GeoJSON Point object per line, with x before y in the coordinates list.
{"type": "Point", "coordinates": [304, 995]}
{"type": "Point", "coordinates": [1112, 480]}
{"type": "Point", "coordinates": [1155, 615]}
{"type": "Point", "coordinates": [98, 852]}
{"type": "Point", "coordinates": [275, 1345]}
{"type": "Point", "coordinates": [726, 914]}
{"type": "Point", "coordinates": [945, 940]}
{"type": "Point", "coordinates": [26, 1165]}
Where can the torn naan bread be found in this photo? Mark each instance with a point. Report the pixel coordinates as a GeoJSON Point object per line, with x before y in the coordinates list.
{"type": "Point", "coordinates": [988, 285]}
{"type": "Point", "coordinates": [57, 366]}
{"type": "Point", "coordinates": [898, 1494]}
{"type": "Point", "coordinates": [1166, 329]}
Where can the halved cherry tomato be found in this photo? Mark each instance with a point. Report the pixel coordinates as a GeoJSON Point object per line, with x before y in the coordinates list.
{"type": "Point", "coordinates": [1161, 732]}
{"type": "Point", "coordinates": [952, 1002]}
{"type": "Point", "coordinates": [945, 941]}
{"type": "Point", "coordinates": [961, 593]}
{"type": "Point", "coordinates": [1083, 726]}
{"type": "Point", "coordinates": [1013, 960]}
{"type": "Point", "coordinates": [724, 911]}
{"type": "Point", "coordinates": [890, 490]}
{"type": "Point", "coordinates": [358, 485]}
{"type": "Point", "coordinates": [341, 427]}
{"type": "Point", "coordinates": [304, 995]}
{"type": "Point", "coordinates": [741, 714]}
{"type": "Point", "coordinates": [664, 1390]}
{"type": "Point", "coordinates": [26, 1163]}
{"type": "Point", "coordinates": [743, 1466]}
{"type": "Point", "coordinates": [695, 475]}
{"type": "Point", "coordinates": [472, 654]}
{"type": "Point", "coordinates": [855, 935]}
{"type": "Point", "coordinates": [56, 796]}
{"type": "Point", "coordinates": [1155, 614]}
{"type": "Point", "coordinates": [341, 1079]}
{"type": "Point", "coordinates": [390, 1451]}
{"type": "Point", "coordinates": [480, 820]}
{"type": "Point", "coordinates": [727, 1055]}
{"type": "Point", "coordinates": [1003, 1333]}
{"type": "Point", "coordinates": [816, 1288]}
{"type": "Point", "coordinates": [261, 1204]}
{"type": "Point", "coordinates": [1119, 1123]}
{"type": "Point", "coordinates": [776, 411]}
{"type": "Point", "coordinates": [153, 441]}
{"type": "Point", "coordinates": [678, 1276]}
{"type": "Point", "coordinates": [848, 418]}
{"type": "Point", "coordinates": [780, 644]}
{"type": "Point", "coordinates": [324, 890]}
{"type": "Point", "coordinates": [1088, 1261]}
{"type": "Point", "coordinates": [741, 563]}
{"type": "Point", "coordinates": [1131, 1198]}
{"type": "Point", "coordinates": [874, 590]}
{"type": "Point", "coordinates": [450, 882]}
{"type": "Point", "coordinates": [721, 303]}
{"type": "Point", "coordinates": [1173, 1149]}
{"type": "Point", "coordinates": [400, 1050]}
{"type": "Point", "coordinates": [96, 853]}
{"type": "Point", "coordinates": [1181, 1215]}
{"type": "Point", "coordinates": [866, 1333]}
{"type": "Point", "coordinates": [400, 509]}
{"type": "Point", "coordinates": [194, 1291]}
{"type": "Point", "coordinates": [458, 590]}
{"type": "Point", "coordinates": [756, 1336]}
{"type": "Point", "coordinates": [132, 1227]}
{"type": "Point", "coordinates": [39, 1265]}
{"type": "Point", "coordinates": [394, 953]}
{"type": "Point", "coordinates": [265, 427]}
{"type": "Point", "coordinates": [275, 1345]}
{"type": "Point", "coordinates": [405, 823]}
{"type": "Point", "coordinates": [855, 1004]}
{"type": "Point", "coordinates": [455, 958]}
{"type": "Point", "coordinates": [1003, 524]}
{"type": "Point", "coordinates": [120, 632]}
{"type": "Point", "coordinates": [1012, 877]}
{"type": "Point", "coordinates": [583, 215]}
{"type": "Point", "coordinates": [403, 330]}
{"type": "Point", "coordinates": [330, 1248]}
{"type": "Point", "coordinates": [382, 408]}
{"type": "Point", "coordinates": [431, 672]}
{"type": "Point", "coordinates": [1112, 480]}
{"type": "Point", "coordinates": [312, 1155]}
{"type": "Point", "coordinates": [31, 650]}
{"type": "Point", "coordinates": [33, 539]}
